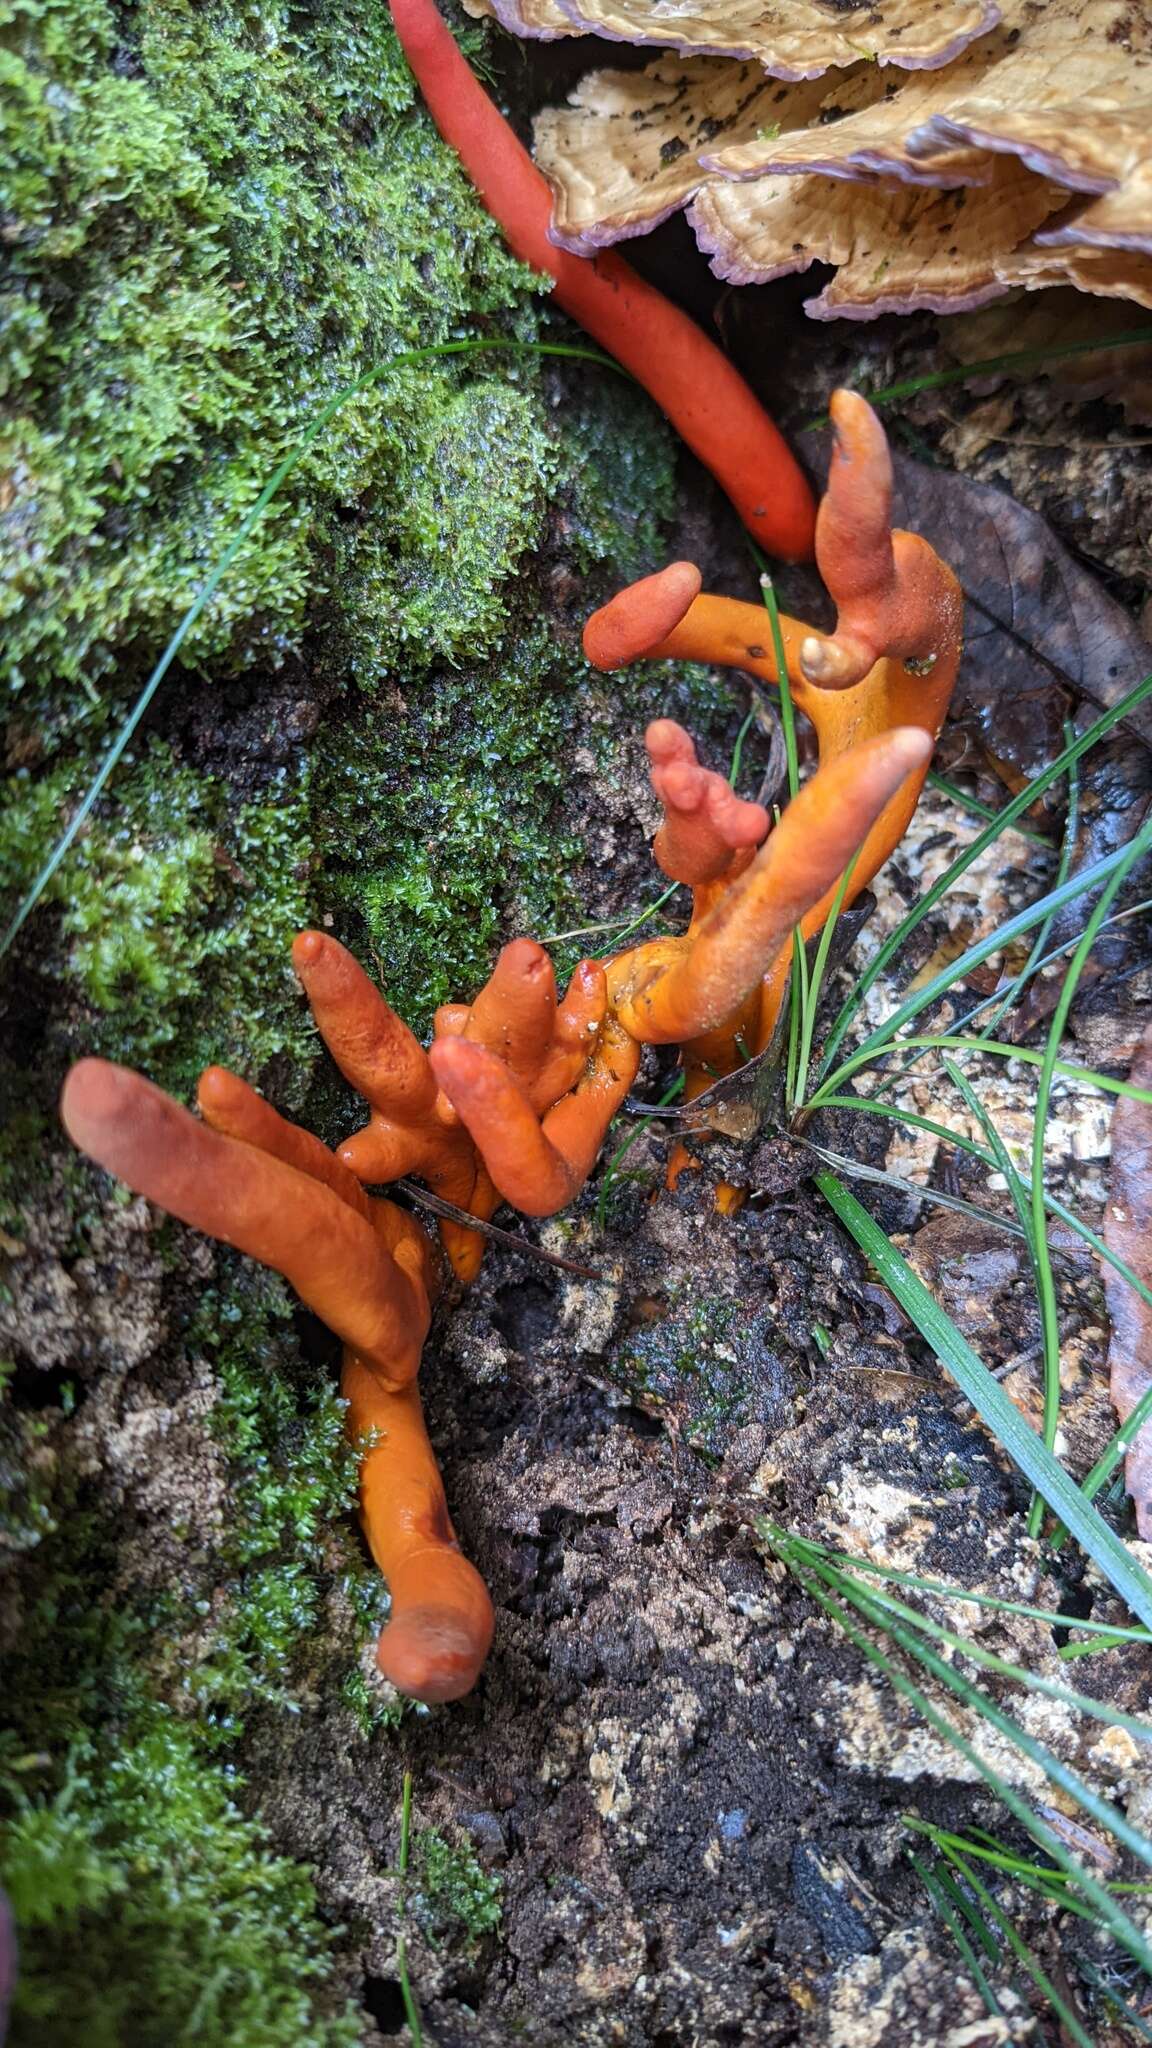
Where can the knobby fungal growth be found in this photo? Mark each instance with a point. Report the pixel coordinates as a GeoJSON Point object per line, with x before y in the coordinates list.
{"type": "Point", "coordinates": [890, 663]}
{"type": "Point", "coordinates": [514, 1096]}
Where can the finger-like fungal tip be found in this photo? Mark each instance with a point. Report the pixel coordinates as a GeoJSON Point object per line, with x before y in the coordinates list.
{"type": "Point", "coordinates": [636, 620]}
{"type": "Point", "coordinates": [307, 948]}
{"type": "Point", "coordinates": [912, 745]}
{"type": "Point", "coordinates": [94, 1094]}
{"type": "Point", "coordinates": [667, 741]}
{"type": "Point", "coordinates": [462, 1066]}
{"type": "Point", "coordinates": [524, 957]}
{"type": "Point", "coordinates": [432, 1654]}
{"type": "Point", "coordinates": [217, 1088]}
{"type": "Point", "coordinates": [683, 785]}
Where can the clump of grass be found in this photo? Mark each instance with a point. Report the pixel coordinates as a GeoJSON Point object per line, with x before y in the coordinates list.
{"type": "Point", "coordinates": [923, 1662]}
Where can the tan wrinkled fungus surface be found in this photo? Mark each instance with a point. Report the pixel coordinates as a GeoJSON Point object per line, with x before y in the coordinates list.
{"type": "Point", "coordinates": [1023, 160]}
{"type": "Point", "coordinates": [795, 38]}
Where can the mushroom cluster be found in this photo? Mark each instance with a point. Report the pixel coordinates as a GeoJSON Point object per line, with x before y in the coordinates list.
{"type": "Point", "coordinates": [935, 156]}
{"type": "Point", "coordinates": [513, 1097]}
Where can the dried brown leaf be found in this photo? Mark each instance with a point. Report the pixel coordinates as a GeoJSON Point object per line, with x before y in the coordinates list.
{"type": "Point", "coordinates": [1040, 631]}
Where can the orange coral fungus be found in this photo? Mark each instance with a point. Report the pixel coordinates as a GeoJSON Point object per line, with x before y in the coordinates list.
{"type": "Point", "coordinates": [690, 991]}
{"type": "Point", "coordinates": [673, 1001]}
{"type": "Point", "coordinates": [891, 661]}
{"type": "Point", "coordinates": [273, 1190]}
{"type": "Point", "coordinates": [335, 1251]}
{"type": "Point", "coordinates": [515, 1095]}
{"type": "Point", "coordinates": [440, 1631]}
{"type": "Point", "coordinates": [413, 1127]}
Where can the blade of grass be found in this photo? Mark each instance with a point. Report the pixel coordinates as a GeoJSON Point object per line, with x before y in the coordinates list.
{"type": "Point", "coordinates": [997, 1049]}
{"type": "Point", "coordinates": [966, 1907]}
{"type": "Point", "coordinates": [411, 2009]}
{"type": "Point", "coordinates": [1023, 1954]}
{"type": "Point", "coordinates": [947, 1912]}
{"type": "Point", "coordinates": [217, 574]}
{"type": "Point", "coordinates": [1004, 1163]}
{"type": "Point", "coordinates": [970, 1696]}
{"type": "Point", "coordinates": [1067, 853]}
{"type": "Point", "coordinates": [1046, 1290]}
{"type": "Point", "coordinates": [787, 711]}
{"type": "Point", "coordinates": [1052, 1886]}
{"type": "Point", "coordinates": [1113, 1916]}
{"type": "Point", "coordinates": [1032, 1681]}
{"type": "Point", "coordinates": [847, 1562]}
{"type": "Point", "coordinates": [964, 802]}
{"type": "Point", "coordinates": [645, 1124]}
{"type": "Point", "coordinates": [1015, 359]}
{"type": "Point", "coordinates": [869, 1106]}
{"type": "Point", "coordinates": [812, 992]}
{"type": "Point", "coordinates": [1114, 1450]}
{"type": "Point", "coordinates": [797, 1005]}
{"type": "Point", "coordinates": [934, 1197]}
{"type": "Point", "coordinates": [992, 1404]}
{"type": "Point", "coordinates": [1020, 803]}
{"type": "Point", "coordinates": [586, 931]}
{"type": "Point", "coordinates": [996, 942]}
{"type": "Point", "coordinates": [738, 749]}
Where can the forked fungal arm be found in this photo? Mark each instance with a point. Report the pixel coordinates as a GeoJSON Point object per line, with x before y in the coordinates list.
{"type": "Point", "coordinates": [518, 1090]}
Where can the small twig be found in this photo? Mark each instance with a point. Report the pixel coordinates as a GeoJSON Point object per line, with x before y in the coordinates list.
{"type": "Point", "coordinates": [424, 1199]}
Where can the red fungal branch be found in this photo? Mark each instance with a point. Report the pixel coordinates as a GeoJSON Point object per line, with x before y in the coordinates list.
{"type": "Point", "coordinates": [539, 1045]}
{"type": "Point", "coordinates": [703, 395]}
{"type": "Point", "coordinates": [890, 664]}
{"type": "Point", "coordinates": [253, 1180]}
{"type": "Point", "coordinates": [514, 1097]}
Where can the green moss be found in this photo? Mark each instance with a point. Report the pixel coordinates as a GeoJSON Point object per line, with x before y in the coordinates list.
{"type": "Point", "coordinates": [452, 1895]}
{"type": "Point", "coordinates": [703, 1359]}
{"type": "Point", "coordinates": [148, 1905]}
{"type": "Point", "coordinates": [439, 819]}
{"type": "Point", "coordinates": [178, 910]}
{"type": "Point", "coordinates": [25, 1476]}
{"type": "Point", "coordinates": [289, 1535]}
{"type": "Point", "coordinates": [148, 1902]}
{"type": "Point", "coordinates": [216, 217]}
{"type": "Point", "coordinates": [219, 213]}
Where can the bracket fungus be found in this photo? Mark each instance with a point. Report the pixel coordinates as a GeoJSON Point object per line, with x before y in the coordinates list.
{"type": "Point", "coordinates": [1023, 158]}
{"type": "Point", "coordinates": [513, 1098]}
